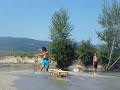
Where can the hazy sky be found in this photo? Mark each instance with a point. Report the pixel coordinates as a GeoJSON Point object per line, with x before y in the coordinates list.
{"type": "Point", "coordinates": [31, 18]}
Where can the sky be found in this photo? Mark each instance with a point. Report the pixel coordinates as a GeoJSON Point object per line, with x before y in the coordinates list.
{"type": "Point", "coordinates": [32, 18]}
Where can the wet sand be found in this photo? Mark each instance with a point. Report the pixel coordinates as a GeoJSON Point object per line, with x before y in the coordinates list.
{"type": "Point", "coordinates": [7, 81]}
{"type": "Point", "coordinates": [27, 80]}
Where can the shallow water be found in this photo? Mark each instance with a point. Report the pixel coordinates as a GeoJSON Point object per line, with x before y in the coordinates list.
{"type": "Point", "coordinates": [82, 81]}
{"type": "Point", "coordinates": [28, 80]}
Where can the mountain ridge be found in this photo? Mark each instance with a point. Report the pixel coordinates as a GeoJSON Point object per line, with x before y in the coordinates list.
{"type": "Point", "coordinates": [13, 44]}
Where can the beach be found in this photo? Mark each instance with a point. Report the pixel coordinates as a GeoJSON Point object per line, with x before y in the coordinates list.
{"type": "Point", "coordinates": [28, 80]}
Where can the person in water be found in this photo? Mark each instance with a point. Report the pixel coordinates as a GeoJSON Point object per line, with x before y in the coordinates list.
{"type": "Point", "coordinates": [45, 60]}
{"type": "Point", "coordinates": [95, 63]}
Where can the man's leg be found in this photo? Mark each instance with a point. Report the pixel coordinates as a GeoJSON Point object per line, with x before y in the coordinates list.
{"type": "Point", "coordinates": [96, 67]}
{"type": "Point", "coordinates": [42, 68]}
{"type": "Point", "coordinates": [43, 65]}
{"type": "Point", "coordinates": [94, 70]}
{"type": "Point", "coordinates": [47, 68]}
{"type": "Point", "coordinates": [47, 65]}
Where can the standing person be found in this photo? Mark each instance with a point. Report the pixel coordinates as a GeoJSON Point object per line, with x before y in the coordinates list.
{"type": "Point", "coordinates": [95, 63]}
{"type": "Point", "coordinates": [45, 60]}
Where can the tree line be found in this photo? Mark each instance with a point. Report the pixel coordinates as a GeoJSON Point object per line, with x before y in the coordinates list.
{"type": "Point", "coordinates": [66, 51]}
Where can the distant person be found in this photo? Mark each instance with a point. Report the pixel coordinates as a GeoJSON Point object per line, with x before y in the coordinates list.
{"type": "Point", "coordinates": [45, 60]}
{"type": "Point", "coordinates": [95, 63]}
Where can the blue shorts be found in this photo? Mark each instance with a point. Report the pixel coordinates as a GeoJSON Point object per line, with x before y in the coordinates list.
{"type": "Point", "coordinates": [45, 62]}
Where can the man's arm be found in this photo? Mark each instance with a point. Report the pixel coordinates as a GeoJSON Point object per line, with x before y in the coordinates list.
{"type": "Point", "coordinates": [39, 54]}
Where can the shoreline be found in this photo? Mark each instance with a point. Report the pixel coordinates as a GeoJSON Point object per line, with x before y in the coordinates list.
{"type": "Point", "coordinates": [20, 66]}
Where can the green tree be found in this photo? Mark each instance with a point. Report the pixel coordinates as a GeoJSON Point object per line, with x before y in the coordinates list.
{"type": "Point", "coordinates": [85, 52]}
{"type": "Point", "coordinates": [110, 22]}
{"type": "Point", "coordinates": [103, 54]}
{"type": "Point", "coordinates": [62, 47]}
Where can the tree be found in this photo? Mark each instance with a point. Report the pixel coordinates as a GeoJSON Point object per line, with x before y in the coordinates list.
{"type": "Point", "coordinates": [85, 52]}
{"type": "Point", "coordinates": [104, 56]}
{"type": "Point", "coordinates": [62, 47]}
{"type": "Point", "coordinates": [110, 22]}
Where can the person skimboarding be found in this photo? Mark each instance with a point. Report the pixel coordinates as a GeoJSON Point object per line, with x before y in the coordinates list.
{"type": "Point", "coordinates": [45, 58]}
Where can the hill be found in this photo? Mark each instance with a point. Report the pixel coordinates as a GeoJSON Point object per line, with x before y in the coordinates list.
{"type": "Point", "coordinates": [10, 44]}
